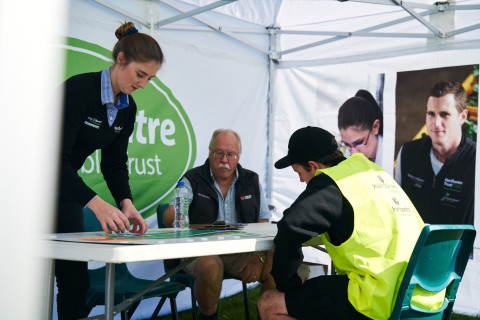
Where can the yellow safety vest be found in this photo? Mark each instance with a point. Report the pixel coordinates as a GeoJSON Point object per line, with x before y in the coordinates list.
{"type": "Point", "coordinates": [386, 228]}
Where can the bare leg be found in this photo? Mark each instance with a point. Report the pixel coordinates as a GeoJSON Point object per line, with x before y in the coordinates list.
{"type": "Point", "coordinates": [266, 278]}
{"type": "Point", "coordinates": [271, 306]}
{"type": "Point", "coordinates": [208, 276]}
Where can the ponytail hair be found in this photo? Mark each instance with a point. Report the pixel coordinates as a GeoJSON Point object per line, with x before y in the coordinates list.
{"type": "Point", "coordinates": [360, 111]}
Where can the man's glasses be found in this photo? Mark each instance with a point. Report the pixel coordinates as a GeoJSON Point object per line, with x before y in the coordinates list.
{"type": "Point", "coordinates": [356, 144]}
{"type": "Point", "coordinates": [217, 154]}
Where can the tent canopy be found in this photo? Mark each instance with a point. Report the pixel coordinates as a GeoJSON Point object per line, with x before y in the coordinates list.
{"type": "Point", "coordinates": [326, 31]}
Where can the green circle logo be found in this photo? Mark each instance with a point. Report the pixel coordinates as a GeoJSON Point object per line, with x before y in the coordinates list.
{"type": "Point", "coordinates": [162, 146]}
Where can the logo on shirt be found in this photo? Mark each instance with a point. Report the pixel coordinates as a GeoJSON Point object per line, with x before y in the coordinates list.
{"type": "Point", "coordinates": [448, 201]}
{"type": "Point", "coordinates": [396, 201]}
{"type": "Point", "coordinates": [93, 122]}
{"type": "Point", "coordinates": [416, 181]}
{"type": "Point", "coordinates": [453, 191]}
{"type": "Point", "coordinates": [246, 197]}
{"type": "Point", "coordinates": [380, 179]}
{"type": "Point", "coordinates": [201, 195]}
{"type": "Point", "coordinates": [117, 129]}
{"type": "Point", "coordinates": [452, 184]}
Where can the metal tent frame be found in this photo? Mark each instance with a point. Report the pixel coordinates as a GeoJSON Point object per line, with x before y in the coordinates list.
{"type": "Point", "coordinates": [413, 12]}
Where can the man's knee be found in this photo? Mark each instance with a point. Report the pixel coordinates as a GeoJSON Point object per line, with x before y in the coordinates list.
{"type": "Point", "coordinates": [270, 300]}
{"type": "Point", "coordinates": [208, 268]}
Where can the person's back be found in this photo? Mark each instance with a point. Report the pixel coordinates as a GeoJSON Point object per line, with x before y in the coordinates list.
{"type": "Point", "coordinates": [367, 223]}
{"type": "Point", "coordinates": [386, 227]}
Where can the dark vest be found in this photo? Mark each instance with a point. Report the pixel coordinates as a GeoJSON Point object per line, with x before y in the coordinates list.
{"type": "Point", "coordinates": [447, 198]}
{"type": "Point", "coordinates": [204, 206]}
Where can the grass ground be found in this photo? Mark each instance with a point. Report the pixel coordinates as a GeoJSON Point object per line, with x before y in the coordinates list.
{"type": "Point", "coordinates": [232, 308]}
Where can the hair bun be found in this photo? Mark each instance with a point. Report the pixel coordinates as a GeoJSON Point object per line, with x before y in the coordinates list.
{"type": "Point", "coordinates": [125, 29]}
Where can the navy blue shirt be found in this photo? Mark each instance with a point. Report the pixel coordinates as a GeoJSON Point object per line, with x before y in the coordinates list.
{"type": "Point", "coordinates": [86, 130]}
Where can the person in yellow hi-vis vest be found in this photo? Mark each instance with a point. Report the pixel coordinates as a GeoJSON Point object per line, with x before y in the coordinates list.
{"type": "Point", "coordinates": [367, 223]}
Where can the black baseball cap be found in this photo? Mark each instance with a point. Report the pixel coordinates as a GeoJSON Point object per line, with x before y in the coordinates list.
{"type": "Point", "coordinates": [306, 144]}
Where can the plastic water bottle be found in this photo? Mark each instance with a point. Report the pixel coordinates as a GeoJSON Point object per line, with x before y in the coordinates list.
{"type": "Point", "coordinates": [181, 206]}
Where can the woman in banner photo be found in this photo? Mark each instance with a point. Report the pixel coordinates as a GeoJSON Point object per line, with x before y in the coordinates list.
{"type": "Point", "coordinates": [99, 113]}
{"type": "Point", "coordinates": [360, 121]}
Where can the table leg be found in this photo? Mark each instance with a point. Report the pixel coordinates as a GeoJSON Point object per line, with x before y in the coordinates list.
{"type": "Point", "coordinates": [126, 303]}
{"type": "Point", "coordinates": [109, 290]}
{"type": "Point", "coordinates": [48, 293]}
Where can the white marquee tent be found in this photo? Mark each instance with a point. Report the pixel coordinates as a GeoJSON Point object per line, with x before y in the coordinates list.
{"type": "Point", "coordinates": [267, 67]}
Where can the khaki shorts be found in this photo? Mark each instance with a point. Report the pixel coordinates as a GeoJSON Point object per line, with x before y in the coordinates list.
{"type": "Point", "coordinates": [231, 263]}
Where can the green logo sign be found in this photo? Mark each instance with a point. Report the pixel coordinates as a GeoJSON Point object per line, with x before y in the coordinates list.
{"type": "Point", "coordinates": [162, 146]}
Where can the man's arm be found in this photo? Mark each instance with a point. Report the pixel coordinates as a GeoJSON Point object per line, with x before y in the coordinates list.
{"type": "Point", "coordinates": [314, 212]}
{"type": "Point", "coordinates": [264, 214]}
{"type": "Point", "coordinates": [169, 216]}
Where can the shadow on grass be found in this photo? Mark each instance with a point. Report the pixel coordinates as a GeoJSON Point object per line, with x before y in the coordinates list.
{"type": "Point", "coordinates": [232, 308]}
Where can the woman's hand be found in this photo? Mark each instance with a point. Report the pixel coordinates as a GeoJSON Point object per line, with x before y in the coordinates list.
{"type": "Point", "coordinates": [139, 224]}
{"type": "Point", "coordinates": [109, 216]}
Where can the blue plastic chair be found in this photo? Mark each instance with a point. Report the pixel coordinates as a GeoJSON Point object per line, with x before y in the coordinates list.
{"type": "Point", "coordinates": [189, 281]}
{"type": "Point", "coordinates": [126, 285]}
{"type": "Point", "coordinates": [438, 262]}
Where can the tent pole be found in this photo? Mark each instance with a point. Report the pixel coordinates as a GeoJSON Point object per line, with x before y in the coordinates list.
{"type": "Point", "coordinates": [126, 13]}
{"type": "Point", "coordinates": [439, 33]}
{"type": "Point", "coordinates": [192, 12]}
{"type": "Point", "coordinates": [273, 61]}
{"type": "Point", "coordinates": [212, 25]}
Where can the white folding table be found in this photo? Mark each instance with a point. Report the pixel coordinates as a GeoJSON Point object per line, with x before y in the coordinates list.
{"type": "Point", "coordinates": [67, 246]}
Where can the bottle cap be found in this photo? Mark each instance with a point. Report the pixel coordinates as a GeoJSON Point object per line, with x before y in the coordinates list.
{"type": "Point", "coordinates": [180, 183]}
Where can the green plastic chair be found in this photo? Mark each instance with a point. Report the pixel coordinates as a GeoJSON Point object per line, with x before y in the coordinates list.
{"type": "Point", "coordinates": [182, 277]}
{"type": "Point", "coordinates": [126, 285]}
{"type": "Point", "coordinates": [438, 262]}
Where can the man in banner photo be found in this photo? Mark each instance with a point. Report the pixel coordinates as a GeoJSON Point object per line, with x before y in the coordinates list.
{"type": "Point", "coordinates": [99, 113]}
{"type": "Point", "coordinates": [370, 242]}
{"type": "Point", "coordinates": [438, 171]}
{"type": "Point", "coordinates": [221, 189]}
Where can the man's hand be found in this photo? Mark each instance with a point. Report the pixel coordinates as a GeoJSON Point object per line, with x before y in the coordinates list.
{"type": "Point", "coordinates": [252, 269]}
{"type": "Point", "coordinates": [109, 216]}
{"type": "Point", "coordinates": [139, 224]}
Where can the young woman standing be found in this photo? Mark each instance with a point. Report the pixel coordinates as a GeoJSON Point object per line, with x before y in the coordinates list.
{"type": "Point", "coordinates": [99, 113]}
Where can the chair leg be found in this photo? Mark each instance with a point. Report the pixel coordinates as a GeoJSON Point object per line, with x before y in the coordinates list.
{"type": "Point", "coordinates": [157, 309]}
{"type": "Point", "coordinates": [173, 307]}
{"type": "Point", "coordinates": [245, 301]}
{"type": "Point", "coordinates": [132, 309]}
{"type": "Point", "coordinates": [194, 304]}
